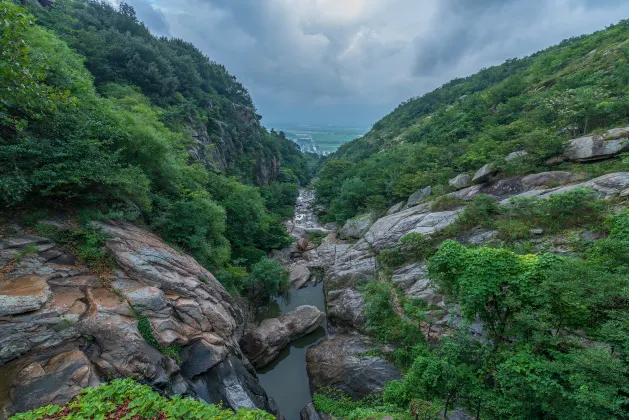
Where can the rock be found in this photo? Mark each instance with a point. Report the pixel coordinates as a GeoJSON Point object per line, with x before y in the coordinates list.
{"type": "Point", "coordinates": [387, 231]}
{"type": "Point", "coordinates": [23, 294]}
{"type": "Point", "coordinates": [413, 279]}
{"type": "Point", "coordinates": [303, 243]}
{"type": "Point", "coordinates": [231, 383]}
{"type": "Point", "coordinates": [309, 413]}
{"type": "Point", "coordinates": [299, 274]}
{"type": "Point", "coordinates": [460, 181]}
{"type": "Point", "coordinates": [516, 155]}
{"type": "Point", "coordinates": [484, 174]}
{"type": "Point", "coordinates": [45, 306]}
{"type": "Point", "coordinates": [398, 207]}
{"type": "Point", "coordinates": [262, 344]}
{"type": "Point", "coordinates": [340, 362]}
{"type": "Point", "coordinates": [355, 228]}
{"type": "Point", "coordinates": [418, 197]}
{"type": "Point", "coordinates": [550, 179]}
{"type": "Point", "coordinates": [537, 232]}
{"type": "Point", "coordinates": [597, 147]}
{"type": "Point", "coordinates": [52, 381]}
{"type": "Point", "coordinates": [346, 307]}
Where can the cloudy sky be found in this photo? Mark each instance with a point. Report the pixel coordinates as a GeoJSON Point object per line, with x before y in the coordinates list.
{"type": "Point", "coordinates": [352, 61]}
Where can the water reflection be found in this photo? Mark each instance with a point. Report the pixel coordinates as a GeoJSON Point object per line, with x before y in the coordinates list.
{"type": "Point", "coordinates": [285, 379]}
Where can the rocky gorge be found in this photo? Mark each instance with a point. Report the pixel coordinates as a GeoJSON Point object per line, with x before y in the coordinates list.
{"type": "Point", "coordinates": [66, 326]}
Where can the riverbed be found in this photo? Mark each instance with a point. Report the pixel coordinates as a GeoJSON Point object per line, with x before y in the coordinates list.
{"type": "Point", "coordinates": [285, 378]}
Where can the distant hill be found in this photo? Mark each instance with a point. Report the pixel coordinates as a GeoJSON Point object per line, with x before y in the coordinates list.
{"type": "Point", "coordinates": [535, 103]}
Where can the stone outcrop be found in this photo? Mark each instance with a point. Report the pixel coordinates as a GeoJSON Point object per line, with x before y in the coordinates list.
{"type": "Point", "coordinates": [341, 362]}
{"type": "Point", "coordinates": [263, 344]}
{"type": "Point", "coordinates": [52, 305]}
{"type": "Point", "coordinates": [45, 380]}
{"type": "Point", "coordinates": [346, 308]}
{"type": "Point", "coordinates": [484, 174]}
{"type": "Point", "coordinates": [516, 155]}
{"type": "Point", "coordinates": [597, 147]}
{"type": "Point", "coordinates": [460, 181]}
{"type": "Point", "coordinates": [355, 228]}
{"type": "Point", "coordinates": [398, 207]}
{"type": "Point", "coordinates": [418, 196]}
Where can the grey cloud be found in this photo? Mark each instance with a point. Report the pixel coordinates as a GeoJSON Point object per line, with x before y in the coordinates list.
{"type": "Point", "coordinates": [304, 59]}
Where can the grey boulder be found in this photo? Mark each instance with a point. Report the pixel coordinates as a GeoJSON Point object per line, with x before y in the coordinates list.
{"type": "Point", "coordinates": [341, 362]}
{"type": "Point", "coordinates": [355, 228]}
{"type": "Point", "coordinates": [598, 147]}
{"type": "Point", "coordinates": [418, 196]}
{"type": "Point", "coordinates": [263, 344]}
{"type": "Point", "coordinates": [460, 181]}
{"type": "Point", "coordinates": [484, 174]}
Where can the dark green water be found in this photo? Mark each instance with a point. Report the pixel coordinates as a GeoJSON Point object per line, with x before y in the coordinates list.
{"type": "Point", "coordinates": [285, 379]}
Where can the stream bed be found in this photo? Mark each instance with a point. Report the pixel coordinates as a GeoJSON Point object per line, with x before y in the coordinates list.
{"type": "Point", "coordinates": [285, 378]}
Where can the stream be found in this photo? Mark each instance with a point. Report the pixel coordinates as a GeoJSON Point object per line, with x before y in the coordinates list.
{"type": "Point", "coordinates": [285, 378]}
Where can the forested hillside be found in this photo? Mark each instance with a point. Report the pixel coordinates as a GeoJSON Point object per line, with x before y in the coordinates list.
{"type": "Point", "coordinates": [101, 119]}
{"type": "Point", "coordinates": [535, 104]}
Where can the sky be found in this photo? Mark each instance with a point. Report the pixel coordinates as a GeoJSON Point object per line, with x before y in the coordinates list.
{"type": "Point", "coordinates": [351, 62]}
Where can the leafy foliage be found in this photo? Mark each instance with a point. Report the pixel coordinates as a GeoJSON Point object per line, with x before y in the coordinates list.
{"type": "Point", "coordinates": [141, 402]}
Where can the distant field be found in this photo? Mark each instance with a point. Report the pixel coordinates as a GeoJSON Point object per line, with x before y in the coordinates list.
{"type": "Point", "coordinates": [322, 140]}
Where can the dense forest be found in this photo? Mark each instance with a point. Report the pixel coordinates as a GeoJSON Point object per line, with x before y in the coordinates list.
{"type": "Point", "coordinates": [101, 119]}
{"type": "Point", "coordinates": [534, 104]}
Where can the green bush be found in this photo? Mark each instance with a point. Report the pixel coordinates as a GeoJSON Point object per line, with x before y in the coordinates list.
{"type": "Point", "coordinates": [267, 278]}
{"type": "Point", "coordinates": [140, 402]}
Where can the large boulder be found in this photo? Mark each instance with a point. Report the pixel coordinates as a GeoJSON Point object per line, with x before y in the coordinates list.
{"type": "Point", "coordinates": [345, 307]}
{"type": "Point", "coordinates": [597, 147]}
{"type": "Point", "coordinates": [413, 280]}
{"type": "Point", "coordinates": [49, 301]}
{"type": "Point", "coordinates": [516, 155]}
{"type": "Point", "coordinates": [355, 228]}
{"type": "Point", "coordinates": [484, 174]}
{"type": "Point", "coordinates": [387, 231]}
{"type": "Point", "coordinates": [460, 181]}
{"type": "Point", "coordinates": [264, 343]}
{"type": "Point", "coordinates": [418, 196]}
{"type": "Point", "coordinates": [342, 362]}
{"type": "Point", "coordinates": [48, 380]}
{"type": "Point", "coordinates": [299, 274]}
{"type": "Point", "coordinates": [398, 207]}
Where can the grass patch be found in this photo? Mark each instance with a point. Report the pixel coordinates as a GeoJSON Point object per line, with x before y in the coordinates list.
{"type": "Point", "coordinates": [335, 402]}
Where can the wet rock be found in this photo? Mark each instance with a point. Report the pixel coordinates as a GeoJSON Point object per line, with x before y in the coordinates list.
{"type": "Point", "coordinates": [346, 308]}
{"type": "Point", "coordinates": [516, 155]}
{"type": "Point", "coordinates": [309, 413]}
{"type": "Point", "coordinates": [355, 228]}
{"type": "Point", "coordinates": [484, 174]}
{"type": "Point", "coordinates": [418, 197]}
{"type": "Point", "coordinates": [340, 362]}
{"type": "Point", "coordinates": [398, 207]}
{"type": "Point", "coordinates": [597, 147]}
{"type": "Point", "coordinates": [262, 344]}
{"type": "Point", "coordinates": [51, 381]}
{"type": "Point", "coordinates": [460, 181]}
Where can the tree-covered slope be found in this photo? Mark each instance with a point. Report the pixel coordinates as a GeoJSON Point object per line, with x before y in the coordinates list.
{"type": "Point", "coordinates": [100, 119]}
{"type": "Point", "coordinates": [536, 103]}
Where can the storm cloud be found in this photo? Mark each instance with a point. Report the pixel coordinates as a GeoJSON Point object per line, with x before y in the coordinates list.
{"type": "Point", "coordinates": [353, 61]}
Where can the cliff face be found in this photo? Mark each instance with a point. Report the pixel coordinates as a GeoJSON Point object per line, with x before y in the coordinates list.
{"type": "Point", "coordinates": [237, 148]}
{"type": "Point", "coordinates": [63, 327]}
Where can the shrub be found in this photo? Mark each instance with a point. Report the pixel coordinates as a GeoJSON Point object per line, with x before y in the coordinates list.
{"type": "Point", "coordinates": [138, 401]}
{"type": "Point", "coordinates": [146, 330]}
{"type": "Point", "coordinates": [446, 202]}
{"type": "Point", "coordinates": [268, 278]}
